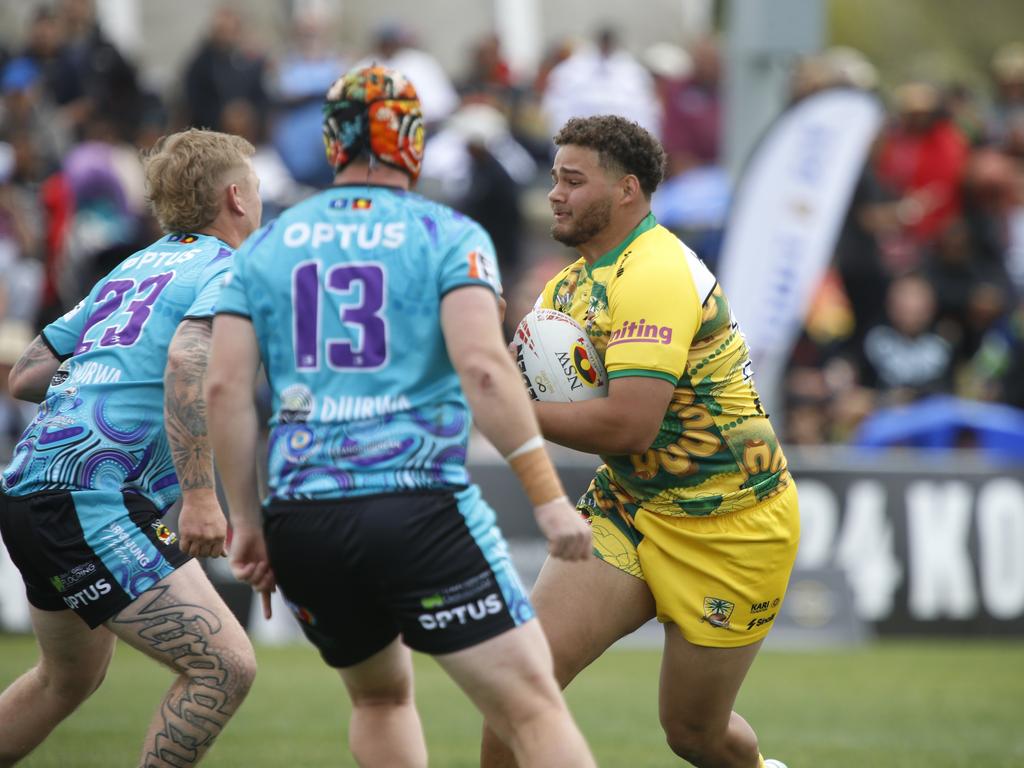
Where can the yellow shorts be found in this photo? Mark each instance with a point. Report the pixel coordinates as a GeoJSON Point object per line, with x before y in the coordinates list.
{"type": "Point", "coordinates": [721, 579]}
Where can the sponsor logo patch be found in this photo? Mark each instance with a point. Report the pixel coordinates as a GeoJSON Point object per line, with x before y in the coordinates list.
{"type": "Point", "coordinates": [641, 332]}
{"type": "Point", "coordinates": [163, 533]}
{"type": "Point", "coordinates": [717, 612]}
{"type": "Point", "coordinates": [66, 580]}
{"type": "Point", "coordinates": [88, 595]}
{"type": "Point", "coordinates": [474, 610]}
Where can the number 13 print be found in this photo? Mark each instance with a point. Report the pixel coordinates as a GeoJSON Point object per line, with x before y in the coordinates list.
{"type": "Point", "coordinates": [370, 349]}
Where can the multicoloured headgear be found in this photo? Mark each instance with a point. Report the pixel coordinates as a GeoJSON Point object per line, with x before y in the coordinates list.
{"type": "Point", "coordinates": [374, 109]}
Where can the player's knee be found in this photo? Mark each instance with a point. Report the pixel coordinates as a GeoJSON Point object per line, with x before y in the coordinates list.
{"type": "Point", "coordinates": [690, 741]}
{"type": "Point", "coordinates": [70, 685]}
{"type": "Point", "coordinates": [246, 668]}
{"type": "Point", "coordinates": [700, 744]}
{"type": "Point", "coordinates": [395, 692]}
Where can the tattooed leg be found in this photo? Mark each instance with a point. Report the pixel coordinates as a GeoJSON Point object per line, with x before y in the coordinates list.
{"type": "Point", "coordinates": [183, 623]}
{"type": "Point", "coordinates": [72, 662]}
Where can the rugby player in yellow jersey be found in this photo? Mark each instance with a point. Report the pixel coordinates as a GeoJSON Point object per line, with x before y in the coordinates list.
{"type": "Point", "coordinates": [694, 514]}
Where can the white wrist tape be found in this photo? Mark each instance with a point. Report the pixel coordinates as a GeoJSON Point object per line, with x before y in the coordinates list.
{"type": "Point", "coordinates": [530, 445]}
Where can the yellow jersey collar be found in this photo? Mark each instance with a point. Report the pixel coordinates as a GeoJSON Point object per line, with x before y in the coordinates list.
{"type": "Point", "coordinates": [647, 223]}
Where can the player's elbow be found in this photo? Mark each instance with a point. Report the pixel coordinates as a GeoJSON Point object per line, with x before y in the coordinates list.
{"type": "Point", "coordinates": [216, 390]}
{"type": "Point", "coordinates": [18, 388]}
{"type": "Point", "coordinates": [479, 375]}
{"type": "Point", "coordinates": [635, 438]}
{"type": "Point", "coordinates": [23, 386]}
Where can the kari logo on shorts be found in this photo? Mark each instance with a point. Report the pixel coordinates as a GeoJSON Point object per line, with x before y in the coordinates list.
{"type": "Point", "coordinates": [67, 580]}
{"type": "Point", "coordinates": [717, 612]}
{"type": "Point", "coordinates": [90, 594]}
{"type": "Point", "coordinates": [764, 605]}
{"type": "Point", "coordinates": [163, 533]}
{"type": "Point", "coordinates": [640, 332]}
{"type": "Point", "coordinates": [462, 614]}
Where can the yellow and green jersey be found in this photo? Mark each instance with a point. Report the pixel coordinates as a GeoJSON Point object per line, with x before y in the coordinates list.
{"type": "Point", "coordinates": [651, 308]}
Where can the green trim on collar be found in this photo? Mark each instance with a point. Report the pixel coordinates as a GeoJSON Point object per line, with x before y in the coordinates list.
{"type": "Point", "coordinates": [609, 258]}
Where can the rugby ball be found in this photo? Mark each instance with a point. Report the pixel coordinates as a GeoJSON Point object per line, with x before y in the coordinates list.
{"type": "Point", "coordinates": [556, 359]}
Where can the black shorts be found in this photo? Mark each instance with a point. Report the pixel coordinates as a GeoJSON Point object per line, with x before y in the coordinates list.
{"type": "Point", "coordinates": [94, 552]}
{"type": "Point", "coordinates": [431, 566]}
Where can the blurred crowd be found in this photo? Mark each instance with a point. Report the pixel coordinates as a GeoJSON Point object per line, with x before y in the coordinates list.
{"type": "Point", "coordinates": [924, 295]}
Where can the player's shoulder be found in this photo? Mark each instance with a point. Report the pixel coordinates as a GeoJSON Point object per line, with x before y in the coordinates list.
{"type": "Point", "coordinates": [660, 254]}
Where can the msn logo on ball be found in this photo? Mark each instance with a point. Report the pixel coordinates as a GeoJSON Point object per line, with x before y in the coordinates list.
{"type": "Point", "coordinates": [579, 371]}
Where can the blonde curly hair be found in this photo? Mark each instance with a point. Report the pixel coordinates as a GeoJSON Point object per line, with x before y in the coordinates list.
{"type": "Point", "coordinates": [186, 173]}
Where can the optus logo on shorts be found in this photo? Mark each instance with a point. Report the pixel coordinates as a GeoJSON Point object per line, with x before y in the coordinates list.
{"type": "Point", "coordinates": [88, 595]}
{"type": "Point", "coordinates": [461, 614]}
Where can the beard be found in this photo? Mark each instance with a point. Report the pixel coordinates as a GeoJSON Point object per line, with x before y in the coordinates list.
{"type": "Point", "coordinates": [591, 220]}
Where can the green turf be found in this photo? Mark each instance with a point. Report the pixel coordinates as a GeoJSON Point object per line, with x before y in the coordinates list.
{"type": "Point", "coordinates": [936, 704]}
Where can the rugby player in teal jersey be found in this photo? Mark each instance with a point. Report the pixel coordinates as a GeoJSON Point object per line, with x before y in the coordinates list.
{"type": "Point", "coordinates": [119, 437]}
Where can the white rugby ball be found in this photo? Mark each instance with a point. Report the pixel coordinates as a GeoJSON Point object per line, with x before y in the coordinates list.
{"type": "Point", "coordinates": [557, 360]}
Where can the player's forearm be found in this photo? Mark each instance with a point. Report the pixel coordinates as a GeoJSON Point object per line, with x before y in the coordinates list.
{"type": "Point", "coordinates": [502, 413]}
{"type": "Point", "coordinates": [185, 406]}
{"type": "Point", "coordinates": [501, 408]}
{"type": "Point", "coordinates": [30, 377]}
{"type": "Point", "coordinates": [592, 426]}
{"type": "Point", "coordinates": [234, 432]}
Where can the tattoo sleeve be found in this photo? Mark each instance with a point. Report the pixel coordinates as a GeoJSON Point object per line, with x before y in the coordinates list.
{"type": "Point", "coordinates": [185, 405]}
{"type": "Point", "coordinates": [31, 375]}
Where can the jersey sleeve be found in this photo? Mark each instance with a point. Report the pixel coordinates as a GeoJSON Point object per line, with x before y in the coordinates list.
{"type": "Point", "coordinates": [210, 284]}
{"type": "Point", "coordinates": [655, 312]}
{"type": "Point", "coordinates": [469, 260]}
{"type": "Point", "coordinates": [62, 335]}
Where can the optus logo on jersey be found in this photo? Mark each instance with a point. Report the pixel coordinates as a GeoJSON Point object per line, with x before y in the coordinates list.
{"type": "Point", "coordinates": [377, 235]}
{"type": "Point", "coordinates": [159, 259]}
{"type": "Point", "coordinates": [633, 331]}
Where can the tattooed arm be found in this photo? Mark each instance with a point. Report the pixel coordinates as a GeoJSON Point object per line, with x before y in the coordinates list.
{"type": "Point", "coordinates": [30, 377]}
{"type": "Point", "coordinates": [234, 430]}
{"type": "Point", "coordinates": [201, 525]}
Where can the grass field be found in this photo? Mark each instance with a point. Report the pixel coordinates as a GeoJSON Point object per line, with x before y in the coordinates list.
{"type": "Point", "coordinates": [937, 704]}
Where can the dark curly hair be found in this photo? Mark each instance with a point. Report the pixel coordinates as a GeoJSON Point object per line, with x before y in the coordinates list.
{"type": "Point", "coordinates": [620, 144]}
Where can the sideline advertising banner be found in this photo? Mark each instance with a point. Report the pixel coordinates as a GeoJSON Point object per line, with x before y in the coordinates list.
{"type": "Point", "coordinates": [790, 202]}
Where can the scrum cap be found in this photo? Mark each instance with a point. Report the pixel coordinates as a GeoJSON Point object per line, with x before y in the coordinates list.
{"type": "Point", "coordinates": [374, 109]}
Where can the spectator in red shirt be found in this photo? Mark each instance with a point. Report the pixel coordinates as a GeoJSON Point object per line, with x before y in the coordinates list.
{"type": "Point", "coordinates": [921, 158]}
